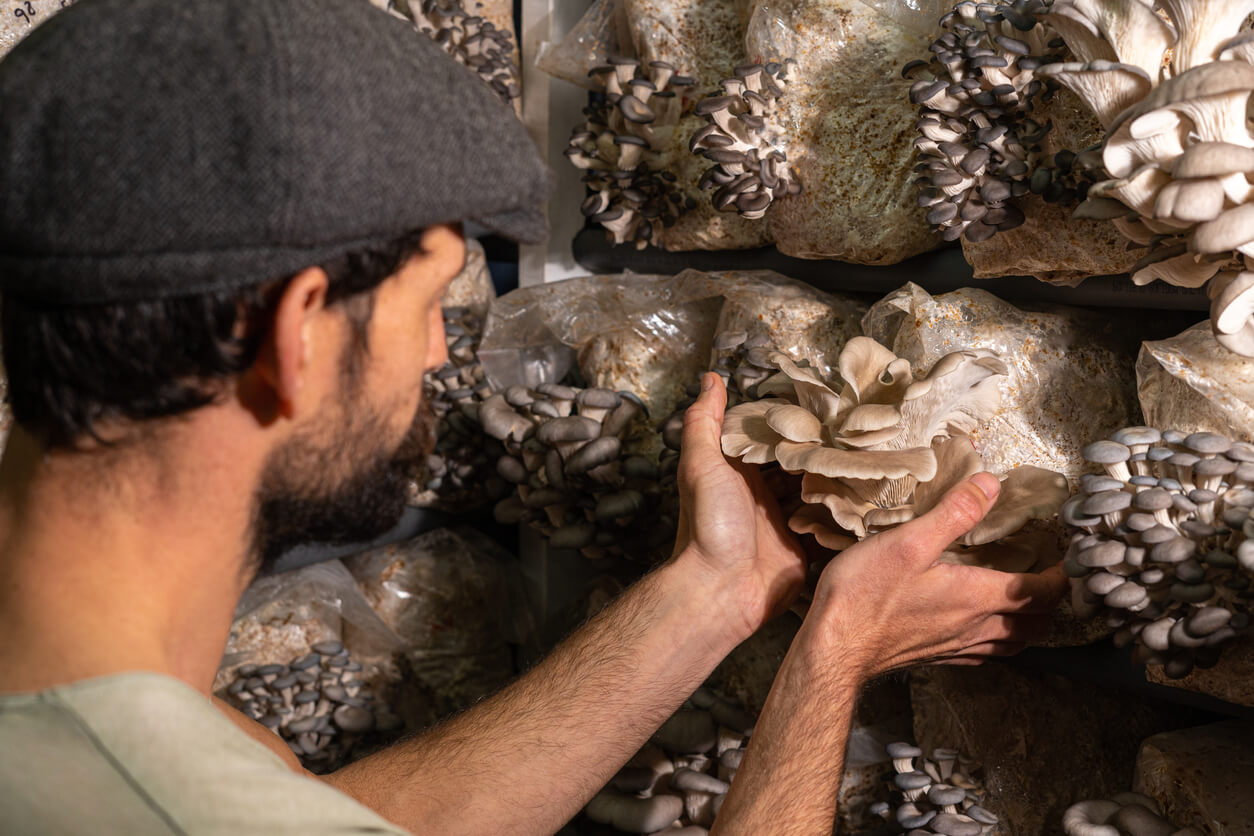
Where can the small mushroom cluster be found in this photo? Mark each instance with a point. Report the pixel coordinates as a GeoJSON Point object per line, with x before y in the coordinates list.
{"type": "Point", "coordinates": [887, 447]}
{"type": "Point", "coordinates": [1171, 81]}
{"type": "Point", "coordinates": [473, 41]}
{"type": "Point", "coordinates": [938, 795]}
{"type": "Point", "coordinates": [978, 141]}
{"type": "Point", "coordinates": [745, 141]}
{"type": "Point", "coordinates": [317, 704]}
{"type": "Point", "coordinates": [576, 458]}
{"type": "Point", "coordinates": [463, 460]}
{"type": "Point", "coordinates": [1164, 544]}
{"type": "Point", "coordinates": [677, 782]}
{"type": "Point", "coordinates": [621, 148]}
{"type": "Point", "coordinates": [1127, 814]}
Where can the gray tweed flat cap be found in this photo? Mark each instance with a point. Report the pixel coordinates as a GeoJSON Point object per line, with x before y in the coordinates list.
{"type": "Point", "coordinates": [151, 148]}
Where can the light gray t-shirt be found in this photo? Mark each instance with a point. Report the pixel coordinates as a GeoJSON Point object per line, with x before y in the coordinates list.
{"type": "Point", "coordinates": [141, 753]}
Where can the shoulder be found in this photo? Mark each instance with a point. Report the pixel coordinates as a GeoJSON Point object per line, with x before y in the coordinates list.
{"type": "Point", "coordinates": [153, 750]}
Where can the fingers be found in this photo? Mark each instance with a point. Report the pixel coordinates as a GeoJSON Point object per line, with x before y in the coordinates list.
{"type": "Point", "coordinates": [702, 447]}
{"type": "Point", "coordinates": [1006, 592]}
{"type": "Point", "coordinates": [957, 513]}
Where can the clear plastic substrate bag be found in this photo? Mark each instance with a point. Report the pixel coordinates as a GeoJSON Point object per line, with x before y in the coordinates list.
{"type": "Point", "coordinates": [1069, 378]}
{"type": "Point", "coordinates": [1191, 383]}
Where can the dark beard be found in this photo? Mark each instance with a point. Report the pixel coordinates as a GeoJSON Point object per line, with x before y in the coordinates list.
{"type": "Point", "coordinates": [338, 491]}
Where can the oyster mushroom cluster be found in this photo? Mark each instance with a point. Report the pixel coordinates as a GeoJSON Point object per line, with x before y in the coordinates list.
{"type": "Point", "coordinates": [317, 704]}
{"type": "Point", "coordinates": [1170, 81]}
{"type": "Point", "coordinates": [745, 141]}
{"type": "Point", "coordinates": [579, 460]}
{"type": "Point", "coordinates": [1163, 546]}
{"type": "Point", "coordinates": [887, 447]}
{"type": "Point", "coordinates": [1127, 814]}
{"type": "Point", "coordinates": [472, 41]}
{"type": "Point", "coordinates": [463, 460]}
{"type": "Point", "coordinates": [978, 141]}
{"type": "Point", "coordinates": [938, 795]}
{"type": "Point", "coordinates": [621, 148]}
{"type": "Point", "coordinates": [677, 782]}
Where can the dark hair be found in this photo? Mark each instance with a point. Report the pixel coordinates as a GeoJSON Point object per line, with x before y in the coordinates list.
{"type": "Point", "coordinates": [72, 367]}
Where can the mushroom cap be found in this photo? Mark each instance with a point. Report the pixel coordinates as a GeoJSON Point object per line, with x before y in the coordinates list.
{"type": "Point", "coordinates": [593, 454]}
{"type": "Point", "coordinates": [1208, 443]}
{"type": "Point", "coordinates": [598, 398]}
{"type": "Point", "coordinates": [900, 750]}
{"type": "Point", "coordinates": [1107, 502]}
{"type": "Point", "coordinates": [1213, 159]}
{"type": "Point", "coordinates": [1154, 499]}
{"type": "Point", "coordinates": [951, 824]}
{"type": "Point", "coordinates": [911, 780]}
{"type": "Point", "coordinates": [1176, 550]}
{"type": "Point", "coordinates": [1106, 452]}
{"type": "Point", "coordinates": [1210, 79]}
{"type": "Point", "coordinates": [1214, 467]}
{"type": "Point", "coordinates": [1137, 435]}
{"type": "Point", "coordinates": [570, 428]}
{"type": "Point", "coordinates": [1105, 553]}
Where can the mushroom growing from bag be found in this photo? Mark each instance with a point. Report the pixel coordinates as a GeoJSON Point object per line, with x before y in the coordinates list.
{"type": "Point", "coordinates": [978, 142]}
{"type": "Point", "coordinates": [621, 149]}
{"type": "Point", "coordinates": [745, 141]}
{"type": "Point", "coordinates": [1162, 545]}
{"type": "Point", "coordinates": [471, 40]}
{"type": "Point", "coordinates": [888, 447]}
{"type": "Point", "coordinates": [1171, 83]}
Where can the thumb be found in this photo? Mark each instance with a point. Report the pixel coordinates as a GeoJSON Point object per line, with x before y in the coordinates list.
{"type": "Point", "coordinates": [959, 511]}
{"type": "Point", "coordinates": [702, 445]}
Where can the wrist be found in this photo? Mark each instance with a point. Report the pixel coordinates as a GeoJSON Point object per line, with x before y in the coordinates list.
{"type": "Point", "coordinates": [722, 604]}
{"type": "Point", "coordinates": [832, 631]}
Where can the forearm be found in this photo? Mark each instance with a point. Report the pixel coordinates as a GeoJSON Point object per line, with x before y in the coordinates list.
{"type": "Point", "coordinates": [527, 759]}
{"type": "Point", "coordinates": [790, 777]}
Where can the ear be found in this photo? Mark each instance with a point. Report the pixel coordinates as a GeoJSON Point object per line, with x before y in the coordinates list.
{"type": "Point", "coordinates": [285, 356]}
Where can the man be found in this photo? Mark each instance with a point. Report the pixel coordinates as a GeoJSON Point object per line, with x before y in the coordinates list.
{"type": "Point", "coordinates": [225, 229]}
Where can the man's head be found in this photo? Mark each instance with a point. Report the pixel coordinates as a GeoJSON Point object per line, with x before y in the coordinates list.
{"type": "Point", "coordinates": [248, 204]}
{"type": "Point", "coordinates": [329, 362]}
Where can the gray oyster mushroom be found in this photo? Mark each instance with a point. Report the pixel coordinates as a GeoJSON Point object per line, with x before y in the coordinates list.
{"type": "Point", "coordinates": [582, 467]}
{"type": "Point", "coordinates": [621, 147]}
{"type": "Point", "coordinates": [979, 145]}
{"type": "Point", "coordinates": [746, 143]}
{"type": "Point", "coordinates": [935, 795]}
{"type": "Point", "coordinates": [1127, 814]}
{"type": "Point", "coordinates": [470, 39]}
{"type": "Point", "coordinates": [1162, 544]}
{"type": "Point", "coordinates": [886, 447]}
{"type": "Point", "coordinates": [677, 782]}
{"type": "Point", "coordinates": [1171, 82]}
{"type": "Point", "coordinates": [461, 470]}
{"type": "Point", "coordinates": [317, 703]}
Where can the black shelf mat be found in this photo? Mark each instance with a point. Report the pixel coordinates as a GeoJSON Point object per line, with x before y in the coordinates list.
{"type": "Point", "coordinates": [939, 271]}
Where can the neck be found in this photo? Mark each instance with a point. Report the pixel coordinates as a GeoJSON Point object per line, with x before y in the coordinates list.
{"type": "Point", "coordinates": [121, 559]}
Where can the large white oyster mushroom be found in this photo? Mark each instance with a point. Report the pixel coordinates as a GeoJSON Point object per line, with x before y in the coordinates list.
{"type": "Point", "coordinates": [887, 447]}
{"type": "Point", "coordinates": [1171, 82]}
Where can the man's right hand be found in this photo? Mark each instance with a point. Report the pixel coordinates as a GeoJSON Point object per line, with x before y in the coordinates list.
{"type": "Point", "coordinates": [887, 602]}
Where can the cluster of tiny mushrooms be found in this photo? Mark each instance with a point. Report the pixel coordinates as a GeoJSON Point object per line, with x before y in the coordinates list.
{"type": "Point", "coordinates": [622, 149]}
{"type": "Point", "coordinates": [677, 782]}
{"type": "Point", "coordinates": [472, 41]}
{"type": "Point", "coordinates": [579, 460]}
{"type": "Point", "coordinates": [316, 704]}
{"type": "Point", "coordinates": [1163, 543]}
{"type": "Point", "coordinates": [463, 461]}
{"type": "Point", "coordinates": [979, 149]}
{"type": "Point", "coordinates": [744, 140]}
{"type": "Point", "coordinates": [625, 141]}
{"type": "Point", "coordinates": [887, 447]}
{"type": "Point", "coordinates": [938, 795]}
{"type": "Point", "coordinates": [1127, 814]}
